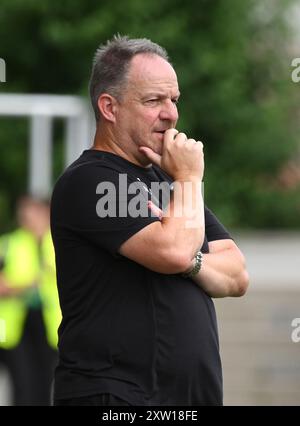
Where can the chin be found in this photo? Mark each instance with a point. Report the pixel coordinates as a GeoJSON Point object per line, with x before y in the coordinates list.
{"type": "Point", "coordinates": [158, 150]}
{"type": "Point", "coordinates": [157, 147]}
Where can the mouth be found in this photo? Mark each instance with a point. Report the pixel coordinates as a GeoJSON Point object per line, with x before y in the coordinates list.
{"type": "Point", "coordinates": [160, 134]}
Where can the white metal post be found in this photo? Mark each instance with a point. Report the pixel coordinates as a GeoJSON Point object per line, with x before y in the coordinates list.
{"type": "Point", "coordinates": [40, 156]}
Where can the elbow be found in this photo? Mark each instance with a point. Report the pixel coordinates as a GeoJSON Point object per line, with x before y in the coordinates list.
{"type": "Point", "coordinates": [242, 278]}
{"type": "Point", "coordinates": [241, 284]}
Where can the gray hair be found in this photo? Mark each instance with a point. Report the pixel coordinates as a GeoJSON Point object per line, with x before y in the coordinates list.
{"type": "Point", "coordinates": [111, 64]}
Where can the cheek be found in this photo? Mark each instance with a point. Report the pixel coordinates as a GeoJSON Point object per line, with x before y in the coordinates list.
{"type": "Point", "coordinates": [150, 117]}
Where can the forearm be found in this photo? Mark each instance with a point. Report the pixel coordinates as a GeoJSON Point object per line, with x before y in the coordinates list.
{"type": "Point", "coordinates": [176, 237]}
{"type": "Point", "coordinates": [6, 290]}
{"type": "Point", "coordinates": [183, 222]}
{"type": "Point", "coordinates": [181, 230]}
{"type": "Point", "coordinates": [223, 274]}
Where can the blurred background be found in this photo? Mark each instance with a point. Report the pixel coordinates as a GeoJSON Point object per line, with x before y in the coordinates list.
{"type": "Point", "coordinates": [240, 95]}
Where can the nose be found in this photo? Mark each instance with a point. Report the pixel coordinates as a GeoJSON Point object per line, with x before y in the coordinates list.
{"type": "Point", "coordinates": [169, 111]}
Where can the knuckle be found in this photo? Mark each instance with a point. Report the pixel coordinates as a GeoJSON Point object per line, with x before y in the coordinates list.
{"type": "Point", "coordinates": [182, 135]}
{"type": "Point", "coordinates": [171, 132]}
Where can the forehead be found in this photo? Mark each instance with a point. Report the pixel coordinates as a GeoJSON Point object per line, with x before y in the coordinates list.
{"type": "Point", "coordinates": [152, 72]}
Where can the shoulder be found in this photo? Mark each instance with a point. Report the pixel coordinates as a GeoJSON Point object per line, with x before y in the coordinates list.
{"type": "Point", "coordinates": [84, 175]}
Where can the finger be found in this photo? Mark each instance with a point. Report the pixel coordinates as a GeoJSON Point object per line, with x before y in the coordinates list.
{"type": "Point", "coordinates": [156, 210]}
{"type": "Point", "coordinates": [151, 155]}
{"type": "Point", "coordinates": [181, 137]}
{"type": "Point", "coordinates": [170, 135]}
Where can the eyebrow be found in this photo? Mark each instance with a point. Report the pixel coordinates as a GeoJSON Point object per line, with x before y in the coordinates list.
{"type": "Point", "coordinates": [159, 94]}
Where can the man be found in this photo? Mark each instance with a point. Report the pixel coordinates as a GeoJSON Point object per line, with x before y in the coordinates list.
{"type": "Point", "coordinates": [139, 325]}
{"type": "Point", "coordinates": [29, 305]}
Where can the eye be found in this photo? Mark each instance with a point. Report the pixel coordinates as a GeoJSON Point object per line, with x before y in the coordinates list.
{"type": "Point", "coordinates": [152, 101]}
{"type": "Point", "coordinates": [175, 101]}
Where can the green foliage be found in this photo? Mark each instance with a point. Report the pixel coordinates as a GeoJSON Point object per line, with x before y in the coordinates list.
{"type": "Point", "coordinates": [234, 74]}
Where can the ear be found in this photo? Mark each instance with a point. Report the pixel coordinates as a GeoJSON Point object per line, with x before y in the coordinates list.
{"type": "Point", "coordinates": [107, 105]}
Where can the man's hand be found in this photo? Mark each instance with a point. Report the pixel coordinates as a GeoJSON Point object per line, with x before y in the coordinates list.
{"type": "Point", "coordinates": [181, 158]}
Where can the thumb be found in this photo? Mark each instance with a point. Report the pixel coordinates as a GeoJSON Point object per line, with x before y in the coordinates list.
{"type": "Point", "coordinates": [151, 155]}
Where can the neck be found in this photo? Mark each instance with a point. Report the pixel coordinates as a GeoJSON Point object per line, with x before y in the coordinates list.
{"type": "Point", "coordinates": [106, 141]}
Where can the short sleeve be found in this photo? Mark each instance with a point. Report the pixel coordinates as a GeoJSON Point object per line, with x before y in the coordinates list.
{"type": "Point", "coordinates": [92, 204]}
{"type": "Point", "coordinates": [213, 227]}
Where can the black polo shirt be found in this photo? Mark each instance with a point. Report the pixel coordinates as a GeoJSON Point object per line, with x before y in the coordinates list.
{"type": "Point", "coordinates": [148, 338]}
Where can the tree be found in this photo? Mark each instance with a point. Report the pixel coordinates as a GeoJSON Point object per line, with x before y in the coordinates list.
{"type": "Point", "coordinates": [234, 73]}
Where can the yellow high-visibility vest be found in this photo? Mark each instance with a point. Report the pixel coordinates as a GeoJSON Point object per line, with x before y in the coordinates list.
{"type": "Point", "coordinates": [24, 264]}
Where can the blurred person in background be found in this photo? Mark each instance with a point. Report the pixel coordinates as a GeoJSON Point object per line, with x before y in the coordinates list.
{"type": "Point", "coordinates": [139, 325]}
{"type": "Point", "coordinates": [29, 304]}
